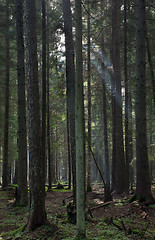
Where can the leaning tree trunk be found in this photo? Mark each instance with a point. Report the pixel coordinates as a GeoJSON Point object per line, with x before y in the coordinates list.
{"type": "Point", "coordinates": [37, 215]}
{"type": "Point", "coordinates": [143, 185]}
{"type": "Point", "coordinates": [22, 196]}
{"type": "Point", "coordinates": [5, 171]}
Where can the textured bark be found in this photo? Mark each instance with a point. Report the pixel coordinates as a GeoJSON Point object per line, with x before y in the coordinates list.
{"type": "Point", "coordinates": [149, 55]}
{"type": "Point", "coordinates": [120, 162]}
{"type": "Point", "coordinates": [69, 153]}
{"type": "Point", "coordinates": [70, 84]}
{"type": "Point", "coordinates": [5, 171]}
{"type": "Point", "coordinates": [106, 148]}
{"type": "Point", "coordinates": [143, 185]}
{"type": "Point", "coordinates": [79, 127]}
{"type": "Point", "coordinates": [48, 113]}
{"type": "Point", "coordinates": [126, 100]}
{"type": "Point", "coordinates": [22, 197]}
{"type": "Point", "coordinates": [44, 87]}
{"type": "Point", "coordinates": [113, 99]}
{"type": "Point", "coordinates": [37, 215]}
{"type": "Point", "coordinates": [89, 187]}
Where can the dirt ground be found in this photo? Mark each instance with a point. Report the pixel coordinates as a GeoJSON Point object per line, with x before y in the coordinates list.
{"type": "Point", "coordinates": [116, 220]}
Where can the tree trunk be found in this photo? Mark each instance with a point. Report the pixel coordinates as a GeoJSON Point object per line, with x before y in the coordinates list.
{"type": "Point", "coordinates": [126, 100]}
{"type": "Point", "coordinates": [120, 163]}
{"type": "Point", "coordinates": [22, 197]}
{"type": "Point", "coordinates": [70, 80]}
{"type": "Point", "coordinates": [79, 127]}
{"type": "Point", "coordinates": [48, 113]}
{"type": "Point", "coordinates": [37, 215]}
{"type": "Point", "coordinates": [113, 99]}
{"type": "Point", "coordinates": [150, 64]}
{"type": "Point", "coordinates": [5, 171]}
{"type": "Point", "coordinates": [143, 185]}
{"type": "Point", "coordinates": [44, 87]}
{"type": "Point", "coordinates": [69, 153]}
{"type": "Point", "coordinates": [89, 187]}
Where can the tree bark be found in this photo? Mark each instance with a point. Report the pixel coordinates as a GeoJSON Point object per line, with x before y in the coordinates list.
{"type": "Point", "coordinates": [89, 177]}
{"type": "Point", "coordinates": [120, 162]}
{"type": "Point", "coordinates": [70, 84]}
{"type": "Point", "coordinates": [44, 87]}
{"type": "Point", "coordinates": [48, 113]}
{"type": "Point", "coordinates": [5, 171]}
{"type": "Point", "coordinates": [22, 197]}
{"type": "Point", "coordinates": [37, 215]}
{"type": "Point", "coordinates": [143, 185]}
{"type": "Point", "coordinates": [79, 127]}
{"type": "Point", "coordinates": [126, 100]}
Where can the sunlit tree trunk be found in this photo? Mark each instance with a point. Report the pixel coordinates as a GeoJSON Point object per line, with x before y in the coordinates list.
{"type": "Point", "coordinates": [79, 126]}
{"type": "Point", "coordinates": [37, 214]}
{"type": "Point", "coordinates": [143, 185]}
{"type": "Point", "coordinates": [22, 196]}
{"type": "Point", "coordinates": [5, 171]}
{"type": "Point", "coordinates": [70, 80]}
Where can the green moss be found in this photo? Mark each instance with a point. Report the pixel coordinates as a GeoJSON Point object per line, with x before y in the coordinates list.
{"type": "Point", "coordinates": [15, 233]}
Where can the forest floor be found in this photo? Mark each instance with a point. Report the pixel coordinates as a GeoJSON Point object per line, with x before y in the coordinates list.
{"type": "Point", "coordinates": [116, 220]}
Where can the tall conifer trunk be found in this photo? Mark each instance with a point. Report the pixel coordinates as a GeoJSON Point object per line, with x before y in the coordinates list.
{"type": "Point", "coordinates": [120, 162]}
{"type": "Point", "coordinates": [37, 215]}
{"type": "Point", "coordinates": [44, 87]}
{"type": "Point", "coordinates": [79, 126]}
{"type": "Point", "coordinates": [70, 82]}
{"type": "Point", "coordinates": [5, 171]}
{"type": "Point", "coordinates": [89, 186]}
{"type": "Point", "coordinates": [143, 184]}
{"type": "Point", "coordinates": [22, 197]}
{"type": "Point", "coordinates": [126, 100]}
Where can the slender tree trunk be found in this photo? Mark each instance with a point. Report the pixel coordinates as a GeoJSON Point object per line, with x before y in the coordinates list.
{"type": "Point", "coordinates": [126, 100]}
{"type": "Point", "coordinates": [48, 113]}
{"type": "Point", "coordinates": [79, 127]}
{"type": "Point", "coordinates": [5, 171]}
{"type": "Point", "coordinates": [44, 87]}
{"type": "Point", "coordinates": [37, 215]}
{"type": "Point", "coordinates": [143, 185]}
{"type": "Point", "coordinates": [69, 153]}
{"type": "Point", "coordinates": [22, 197]}
{"type": "Point", "coordinates": [130, 130]}
{"type": "Point", "coordinates": [89, 187]}
{"type": "Point", "coordinates": [113, 99]}
{"type": "Point", "coordinates": [70, 80]}
{"type": "Point", "coordinates": [106, 148]}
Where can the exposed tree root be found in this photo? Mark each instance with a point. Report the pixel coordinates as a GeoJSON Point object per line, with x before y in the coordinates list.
{"type": "Point", "coordinates": [141, 199]}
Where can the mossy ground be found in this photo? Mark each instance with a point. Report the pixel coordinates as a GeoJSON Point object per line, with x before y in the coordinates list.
{"type": "Point", "coordinates": [13, 219]}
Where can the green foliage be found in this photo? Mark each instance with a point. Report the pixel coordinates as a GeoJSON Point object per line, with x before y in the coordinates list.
{"type": "Point", "coordinates": [14, 234]}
